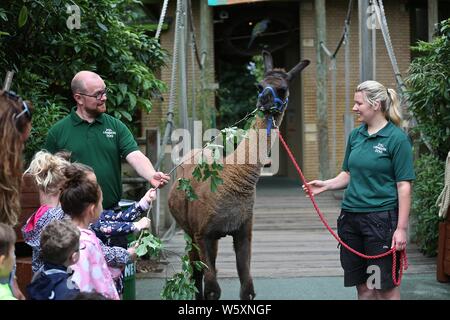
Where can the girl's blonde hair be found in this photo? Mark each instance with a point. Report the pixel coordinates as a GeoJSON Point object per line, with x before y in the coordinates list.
{"type": "Point", "coordinates": [374, 91]}
{"type": "Point", "coordinates": [13, 124]}
{"type": "Point", "coordinates": [48, 171]}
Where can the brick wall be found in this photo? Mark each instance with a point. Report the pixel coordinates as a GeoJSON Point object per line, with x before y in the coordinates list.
{"type": "Point", "coordinates": [157, 118]}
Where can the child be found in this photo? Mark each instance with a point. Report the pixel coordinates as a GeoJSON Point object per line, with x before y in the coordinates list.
{"type": "Point", "coordinates": [49, 173]}
{"type": "Point", "coordinates": [7, 260]}
{"type": "Point", "coordinates": [81, 198]}
{"type": "Point", "coordinates": [60, 248]}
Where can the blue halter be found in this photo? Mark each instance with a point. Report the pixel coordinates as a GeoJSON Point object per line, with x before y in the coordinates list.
{"type": "Point", "coordinates": [278, 107]}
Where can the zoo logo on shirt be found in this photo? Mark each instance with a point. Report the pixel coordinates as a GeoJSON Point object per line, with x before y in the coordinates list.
{"type": "Point", "coordinates": [379, 148]}
{"type": "Point", "coordinates": [109, 133]}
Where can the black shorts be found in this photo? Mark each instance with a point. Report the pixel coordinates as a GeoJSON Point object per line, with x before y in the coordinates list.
{"type": "Point", "coordinates": [371, 234]}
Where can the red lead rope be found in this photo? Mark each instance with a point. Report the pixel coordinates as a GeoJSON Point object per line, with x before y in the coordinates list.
{"type": "Point", "coordinates": [393, 251]}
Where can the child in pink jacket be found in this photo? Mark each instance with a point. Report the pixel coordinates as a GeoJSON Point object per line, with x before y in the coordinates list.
{"type": "Point", "coordinates": [81, 198]}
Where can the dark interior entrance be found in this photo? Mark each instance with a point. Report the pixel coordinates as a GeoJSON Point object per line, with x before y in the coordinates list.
{"type": "Point", "coordinates": [241, 32]}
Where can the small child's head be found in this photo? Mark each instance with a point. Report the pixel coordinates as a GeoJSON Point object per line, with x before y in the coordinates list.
{"type": "Point", "coordinates": [81, 197]}
{"type": "Point", "coordinates": [60, 243]}
{"type": "Point", "coordinates": [7, 256]}
{"type": "Point", "coordinates": [48, 172]}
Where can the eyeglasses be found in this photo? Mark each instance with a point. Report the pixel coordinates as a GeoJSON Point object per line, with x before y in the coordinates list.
{"type": "Point", "coordinates": [13, 96]}
{"type": "Point", "coordinates": [97, 96]}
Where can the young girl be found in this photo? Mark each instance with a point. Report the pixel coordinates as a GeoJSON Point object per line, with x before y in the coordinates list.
{"type": "Point", "coordinates": [49, 174]}
{"type": "Point", "coordinates": [81, 199]}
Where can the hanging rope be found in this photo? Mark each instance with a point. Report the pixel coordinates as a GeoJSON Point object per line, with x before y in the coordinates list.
{"type": "Point", "coordinates": [194, 39]}
{"type": "Point", "coordinates": [170, 113]}
{"type": "Point", "coordinates": [379, 10]}
{"type": "Point", "coordinates": [443, 201]}
{"type": "Point", "coordinates": [161, 19]}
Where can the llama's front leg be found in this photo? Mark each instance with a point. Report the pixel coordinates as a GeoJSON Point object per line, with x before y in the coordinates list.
{"type": "Point", "coordinates": [197, 274]}
{"type": "Point", "coordinates": [208, 253]}
{"type": "Point", "coordinates": [242, 241]}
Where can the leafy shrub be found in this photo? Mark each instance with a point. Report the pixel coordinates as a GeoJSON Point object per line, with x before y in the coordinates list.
{"type": "Point", "coordinates": [427, 187]}
{"type": "Point", "coordinates": [429, 97]}
{"type": "Point", "coordinates": [429, 91]}
{"type": "Point", "coordinates": [45, 54]}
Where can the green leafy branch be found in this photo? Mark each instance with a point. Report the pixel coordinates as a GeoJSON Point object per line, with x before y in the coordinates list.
{"type": "Point", "coordinates": [181, 286]}
{"type": "Point", "coordinates": [185, 185]}
{"type": "Point", "coordinates": [147, 243]}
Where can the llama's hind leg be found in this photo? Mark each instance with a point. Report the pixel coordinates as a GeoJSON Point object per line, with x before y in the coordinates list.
{"type": "Point", "coordinates": [197, 274]}
{"type": "Point", "coordinates": [242, 241]}
{"type": "Point", "coordinates": [208, 254]}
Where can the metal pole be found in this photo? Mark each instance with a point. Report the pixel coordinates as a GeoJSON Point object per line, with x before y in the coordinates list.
{"type": "Point", "coordinates": [365, 43]}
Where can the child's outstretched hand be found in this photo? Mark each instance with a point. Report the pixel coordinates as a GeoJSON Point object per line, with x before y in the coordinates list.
{"type": "Point", "coordinates": [142, 224]}
{"type": "Point", "coordinates": [150, 195]}
{"type": "Point", "coordinates": [147, 199]}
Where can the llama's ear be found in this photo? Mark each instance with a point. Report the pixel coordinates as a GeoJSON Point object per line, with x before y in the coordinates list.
{"type": "Point", "coordinates": [268, 62]}
{"type": "Point", "coordinates": [297, 69]}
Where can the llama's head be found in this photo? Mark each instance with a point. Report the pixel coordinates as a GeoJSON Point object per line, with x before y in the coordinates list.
{"type": "Point", "coordinates": [274, 88]}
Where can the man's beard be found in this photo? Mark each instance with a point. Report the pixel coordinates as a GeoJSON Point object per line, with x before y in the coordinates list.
{"type": "Point", "coordinates": [97, 111]}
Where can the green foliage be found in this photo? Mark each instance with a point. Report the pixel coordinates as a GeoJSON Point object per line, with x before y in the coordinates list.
{"type": "Point", "coordinates": [37, 44]}
{"type": "Point", "coordinates": [204, 171]}
{"type": "Point", "coordinates": [429, 90]}
{"type": "Point", "coordinates": [182, 286]}
{"type": "Point", "coordinates": [147, 243]}
{"type": "Point", "coordinates": [185, 185]}
{"type": "Point", "coordinates": [429, 99]}
{"type": "Point", "coordinates": [237, 93]}
{"type": "Point", "coordinates": [427, 187]}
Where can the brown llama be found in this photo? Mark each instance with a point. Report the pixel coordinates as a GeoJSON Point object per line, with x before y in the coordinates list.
{"type": "Point", "coordinates": [229, 210]}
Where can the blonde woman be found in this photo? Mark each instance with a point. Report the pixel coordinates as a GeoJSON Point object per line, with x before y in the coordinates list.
{"type": "Point", "coordinates": [377, 171]}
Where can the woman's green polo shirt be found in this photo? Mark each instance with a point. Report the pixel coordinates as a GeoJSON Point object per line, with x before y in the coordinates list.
{"type": "Point", "coordinates": [376, 163]}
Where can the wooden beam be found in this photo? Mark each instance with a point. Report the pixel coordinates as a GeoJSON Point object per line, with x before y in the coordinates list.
{"type": "Point", "coordinates": [432, 17]}
{"type": "Point", "coordinates": [321, 93]}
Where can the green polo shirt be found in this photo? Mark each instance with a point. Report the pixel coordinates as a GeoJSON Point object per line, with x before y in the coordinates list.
{"type": "Point", "coordinates": [101, 144]}
{"type": "Point", "coordinates": [376, 163]}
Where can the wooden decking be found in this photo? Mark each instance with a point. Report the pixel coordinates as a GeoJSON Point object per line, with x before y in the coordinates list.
{"type": "Point", "coordinates": [289, 239]}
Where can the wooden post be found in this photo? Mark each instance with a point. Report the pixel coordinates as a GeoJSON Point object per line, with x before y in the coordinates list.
{"type": "Point", "coordinates": [432, 17]}
{"type": "Point", "coordinates": [207, 58]}
{"type": "Point", "coordinates": [321, 95]}
{"type": "Point", "coordinates": [184, 122]}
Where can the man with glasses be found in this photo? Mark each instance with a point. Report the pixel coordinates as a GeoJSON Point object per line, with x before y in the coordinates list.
{"type": "Point", "coordinates": [100, 140]}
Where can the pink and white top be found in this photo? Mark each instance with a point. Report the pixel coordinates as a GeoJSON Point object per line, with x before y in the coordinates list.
{"type": "Point", "coordinates": [91, 271]}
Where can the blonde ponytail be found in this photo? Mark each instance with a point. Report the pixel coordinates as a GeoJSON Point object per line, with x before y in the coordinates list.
{"type": "Point", "coordinates": [48, 171]}
{"type": "Point", "coordinates": [393, 107]}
